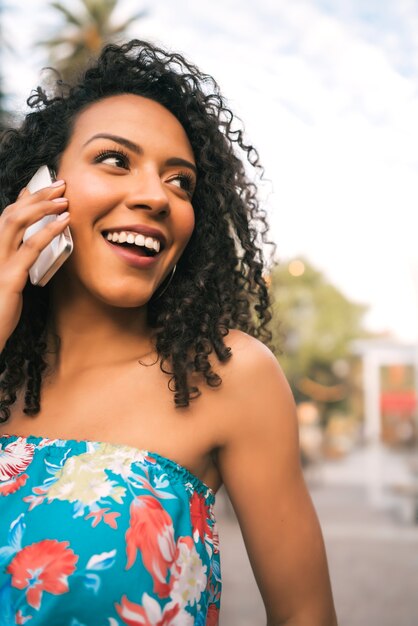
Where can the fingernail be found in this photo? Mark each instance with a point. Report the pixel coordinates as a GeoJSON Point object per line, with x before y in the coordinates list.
{"type": "Point", "coordinates": [21, 192]}
{"type": "Point", "coordinates": [57, 183]}
{"type": "Point", "coordinates": [59, 200]}
{"type": "Point", "coordinates": [63, 216]}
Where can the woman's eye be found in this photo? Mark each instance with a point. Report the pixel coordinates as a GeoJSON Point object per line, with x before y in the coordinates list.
{"type": "Point", "coordinates": [114, 158]}
{"type": "Point", "coordinates": [184, 182]}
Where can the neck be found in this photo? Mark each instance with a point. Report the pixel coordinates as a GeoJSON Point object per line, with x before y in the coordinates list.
{"type": "Point", "coordinates": [93, 333]}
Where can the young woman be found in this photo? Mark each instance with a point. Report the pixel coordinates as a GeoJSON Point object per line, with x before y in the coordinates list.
{"type": "Point", "coordinates": [135, 383]}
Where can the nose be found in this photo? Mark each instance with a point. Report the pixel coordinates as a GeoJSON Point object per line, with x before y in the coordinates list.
{"type": "Point", "coordinates": [147, 191]}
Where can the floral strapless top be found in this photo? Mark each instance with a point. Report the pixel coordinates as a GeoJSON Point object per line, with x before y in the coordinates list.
{"type": "Point", "coordinates": [96, 534]}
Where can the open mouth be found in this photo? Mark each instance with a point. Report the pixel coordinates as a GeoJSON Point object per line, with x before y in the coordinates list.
{"type": "Point", "coordinates": [134, 242]}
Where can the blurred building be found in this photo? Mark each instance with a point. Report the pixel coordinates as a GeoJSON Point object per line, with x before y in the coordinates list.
{"type": "Point", "coordinates": [390, 432]}
{"type": "Point", "coordinates": [389, 390]}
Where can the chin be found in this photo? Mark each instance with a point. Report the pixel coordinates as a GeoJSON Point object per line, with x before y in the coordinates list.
{"type": "Point", "coordinates": [124, 297]}
{"type": "Point", "coordinates": [117, 291]}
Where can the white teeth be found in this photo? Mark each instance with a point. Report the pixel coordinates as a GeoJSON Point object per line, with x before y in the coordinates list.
{"type": "Point", "coordinates": [133, 238]}
{"type": "Point", "coordinates": [149, 243]}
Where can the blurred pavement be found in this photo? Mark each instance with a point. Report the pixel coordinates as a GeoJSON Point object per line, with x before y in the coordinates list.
{"type": "Point", "coordinates": [372, 553]}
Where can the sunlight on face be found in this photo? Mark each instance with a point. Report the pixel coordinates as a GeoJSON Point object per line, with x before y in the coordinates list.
{"type": "Point", "coordinates": [129, 168]}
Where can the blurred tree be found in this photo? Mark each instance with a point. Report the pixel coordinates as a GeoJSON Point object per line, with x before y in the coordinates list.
{"type": "Point", "coordinates": [84, 34]}
{"type": "Point", "coordinates": [315, 324]}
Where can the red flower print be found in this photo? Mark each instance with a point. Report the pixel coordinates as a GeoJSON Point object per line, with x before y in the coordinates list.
{"type": "Point", "coordinates": [14, 458]}
{"type": "Point", "coordinates": [12, 485]}
{"type": "Point", "coordinates": [42, 566]}
{"type": "Point", "coordinates": [151, 532]}
{"type": "Point", "coordinates": [199, 513]}
{"type": "Point", "coordinates": [150, 614]}
{"type": "Point", "coordinates": [38, 497]}
{"type": "Point", "coordinates": [102, 514]}
{"type": "Point", "coordinates": [20, 618]}
{"type": "Point", "coordinates": [212, 617]}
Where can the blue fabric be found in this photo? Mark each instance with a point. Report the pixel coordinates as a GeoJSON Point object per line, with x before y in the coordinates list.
{"type": "Point", "coordinates": [99, 534]}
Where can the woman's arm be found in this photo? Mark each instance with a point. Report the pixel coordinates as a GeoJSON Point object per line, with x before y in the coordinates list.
{"type": "Point", "coordinates": [260, 466]}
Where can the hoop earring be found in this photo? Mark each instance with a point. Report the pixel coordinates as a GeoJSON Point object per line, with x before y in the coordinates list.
{"type": "Point", "coordinates": [157, 295]}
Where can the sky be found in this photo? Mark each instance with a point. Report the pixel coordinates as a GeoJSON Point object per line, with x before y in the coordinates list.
{"type": "Point", "coordinates": [328, 93]}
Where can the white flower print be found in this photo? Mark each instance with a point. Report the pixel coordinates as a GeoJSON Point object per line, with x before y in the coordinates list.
{"type": "Point", "coordinates": [189, 574]}
{"type": "Point", "coordinates": [119, 459]}
{"type": "Point", "coordinates": [83, 478]}
{"type": "Point", "coordinates": [150, 613]}
{"type": "Point", "coordinates": [14, 458]}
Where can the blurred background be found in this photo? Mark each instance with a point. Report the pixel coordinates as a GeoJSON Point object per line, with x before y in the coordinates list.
{"type": "Point", "coordinates": [328, 93]}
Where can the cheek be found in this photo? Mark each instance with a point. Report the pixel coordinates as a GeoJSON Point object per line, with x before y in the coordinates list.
{"type": "Point", "coordinates": [187, 225]}
{"type": "Point", "coordinates": [88, 198]}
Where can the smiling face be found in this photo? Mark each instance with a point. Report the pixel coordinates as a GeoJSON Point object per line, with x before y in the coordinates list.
{"type": "Point", "coordinates": [130, 173]}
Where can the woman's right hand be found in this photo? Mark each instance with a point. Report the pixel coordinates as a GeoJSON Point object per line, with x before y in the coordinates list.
{"type": "Point", "coordinates": [17, 256]}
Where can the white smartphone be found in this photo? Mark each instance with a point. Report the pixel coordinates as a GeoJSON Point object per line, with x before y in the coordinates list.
{"type": "Point", "coordinates": [60, 248]}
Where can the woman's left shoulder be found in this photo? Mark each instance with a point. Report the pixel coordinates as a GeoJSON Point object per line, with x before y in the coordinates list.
{"type": "Point", "coordinates": [259, 463]}
{"type": "Point", "coordinates": [252, 359]}
{"type": "Point", "coordinates": [239, 340]}
{"type": "Point", "coordinates": [253, 379]}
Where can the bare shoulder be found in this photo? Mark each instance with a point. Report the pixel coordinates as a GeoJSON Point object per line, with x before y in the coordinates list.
{"type": "Point", "coordinates": [260, 409]}
{"type": "Point", "coordinates": [248, 355]}
{"type": "Point", "coordinates": [238, 340]}
{"type": "Point", "coordinates": [259, 463]}
{"type": "Point", "coordinates": [255, 387]}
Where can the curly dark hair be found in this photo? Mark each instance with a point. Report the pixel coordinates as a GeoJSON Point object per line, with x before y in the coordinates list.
{"type": "Point", "coordinates": [219, 283]}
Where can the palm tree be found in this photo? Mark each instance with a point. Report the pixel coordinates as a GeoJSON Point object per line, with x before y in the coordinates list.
{"type": "Point", "coordinates": [84, 34]}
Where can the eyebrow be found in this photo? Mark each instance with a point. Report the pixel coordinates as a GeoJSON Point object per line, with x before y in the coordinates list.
{"type": "Point", "coordinates": [138, 150]}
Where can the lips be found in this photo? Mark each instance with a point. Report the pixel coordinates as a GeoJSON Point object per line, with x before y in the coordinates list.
{"type": "Point", "coordinates": [133, 255]}
{"type": "Point", "coordinates": [142, 254]}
